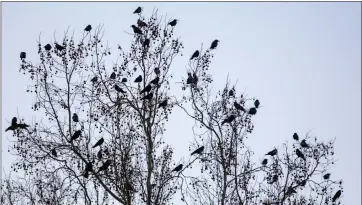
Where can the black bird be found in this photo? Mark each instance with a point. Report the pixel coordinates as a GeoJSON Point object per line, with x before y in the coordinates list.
{"type": "Point", "coordinates": [290, 191]}
{"type": "Point", "coordinates": [163, 104]}
{"type": "Point", "coordinates": [138, 79]}
{"type": "Point", "coordinates": [231, 93]}
{"type": "Point", "coordinates": [336, 195]}
{"type": "Point", "coordinates": [228, 119]}
{"type": "Point", "coordinates": [149, 96]}
{"type": "Point", "coordinates": [300, 154]}
{"type": "Point", "coordinates": [105, 165]}
{"type": "Point", "coordinates": [157, 71]}
{"type": "Point", "coordinates": [76, 135]}
{"type": "Point", "coordinates": [48, 47]}
{"type": "Point", "coordinates": [22, 55]}
{"type": "Point", "coordinates": [94, 79]}
{"type": "Point", "coordinates": [273, 152]}
{"type": "Point", "coordinates": [173, 22]}
{"type": "Point", "coordinates": [88, 168]}
{"type": "Point", "coordinates": [198, 150]}
{"type": "Point", "coordinates": [146, 43]}
{"type": "Point", "coordinates": [238, 106]}
{"type": "Point", "coordinates": [264, 162]}
{"type": "Point", "coordinates": [141, 23]}
{"type": "Point", "coordinates": [136, 29]}
{"type": "Point", "coordinates": [295, 137]}
{"type": "Point", "coordinates": [118, 89]}
{"type": "Point", "coordinates": [304, 144]}
{"type": "Point", "coordinates": [124, 80]}
{"type": "Point", "coordinates": [88, 28]}
{"type": "Point", "coordinates": [189, 79]}
{"type": "Point", "coordinates": [100, 142]}
{"type": "Point", "coordinates": [195, 55]}
{"type": "Point", "coordinates": [146, 89]}
{"type": "Point", "coordinates": [275, 178]}
{"type": "Point", "coordinates": [113, 76]}
{"type": "Point", "coordinates": [99, 154]}
{"type": "Point", "coordinates": [256, 103]}
{"type": "Point", "coordinates": [54, 152]}
{"type": "Point", "coordinates": [22, 126]}
{"type": "Point", "coordinates": [326, 176]}
{"type": "Point", "coordinates": [195, 78]}
{"type": "Point", "coordinates": [59, 47]}
{"type": "Point", "coordinates": [155, 81]}
{"type": "Point", "coordinates": [14, 122]}
{"type": "Point", "coordinates": [214, 44]}
{"type": "Point", "coordinates": [303, 183]}
{"type": "Point", "coordinates": [252, 111]}
{"type": "Point", "coordinates": [138, 10]}
{"type": "Point", "coordinates": [178, 168]}
{"type": "Point", "coordinates": [75, 117]}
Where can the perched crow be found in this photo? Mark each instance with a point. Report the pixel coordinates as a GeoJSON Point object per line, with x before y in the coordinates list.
{"type": "Point", "coordinates": [195, 55]}
{"type": "Point", "coordinates": [76, 135]}
{"type": "Point", "coordinates": [138, 10]}
{"type": "Point", "coordinates": [105, 165]}
{"type": "Point", "coordinates": [75, 117]}
{"type": "Point", "coordinates": [48, 47]}
{"type": "Point", "coordinates": [336, 195]}
{"type": "Point", "coordinates": [54, 152]}
{"type": "Point", "coordinates": [229, 119]}
{"type": "Point", "coordinates": [194, 78]}
{"type": "Point", "coordinates": [146, 89]}
{"type": "Point", "coordinates": [264, 162]}
{"type": "Point", "coordinates": [214, 44]}
{"type": "Point", "coordinates": [189, 79]}
{"type": "Point", "coordinates": [173, 22]}
{"type": "Point", "coordinates": [155, 81]}
{"type": "Point", "coordinates": [99, 154]}
{"type": "Point", "coordinates": [59, 47]}
{"type": "Point", "coordinates": [136, 30]}
{"type": "Point", "coordinates": [198, 150]}
{"type": "Point", "coordinates": [178, 168]}
{"type": "Point", "coordinates": [124, 80]}
{"type": "Point", "coordinates": [94, 79]}
{"type": "Point", "coordinates": [295, 137]}
{"type": "Point", "coordinates": [22, 55]}
{"type": "Point", "coordinates": [146, 43]}
{"type": "Point", "coordinates": [88, 28]}
{"type": "Point", "coordinates": [100, 142]}
{"type": "Point", "coordinates": [157, 71]}
{"type": "Point", "coordinates": [326, 176]}
{"type": "Point", "coordinates": [138, 79]}
{"type": "Point", "coordinates": [113, 76]}
{"type": "Point", "coordinates": [118, 89]}
{"type": "Point", "coordinates": [88, 168]}
{"type": "Point", "coordinates": [23, 126]}
{"type": "Point", "coordinates": [238, 106]}
{"type": "Point", "coordinates": [141, 23]}
{"type": "Point", "coordinates": [273, 152]}
{"type": "Point", "coordinates": [231, 93]}
{"type": "Point", "coordinates": [304, 144]}
{"type": "Point", "coordinates": [149, 96]}
{"type": "Point", "coordinates": [300, 154]}
{"type": "Point", "coordinates": [163, 104]}
{"type": "Point", "coordinates": [252, 111]}
{"type": "Point", "coordinates": [14, 122]}
{"type": "Point", "coordinates": [257, 103]}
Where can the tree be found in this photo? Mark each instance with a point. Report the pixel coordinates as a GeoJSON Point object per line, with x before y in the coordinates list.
{"type": "Point", "coordinates": [104, 127]}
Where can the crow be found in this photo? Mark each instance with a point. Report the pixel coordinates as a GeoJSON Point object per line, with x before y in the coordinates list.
{"type": "Point", "coordinates": [22, 55]}
{"type": "Point", "coordinates": [118, 89]}
{"type": "Point", "coordinates": [178, 168]}
{"type": "Point", "coordinates": [214, 44]}
{"type": "Point", "coordinates": [275, 178]}
{"type": "Point", "coordinates": [124, 80]}
{"type": "Point", "coordinates": [155, 81]}
{"type": "Point", "coordinates": [14, 122]}
{"type": "Point", "coordinates": [264, 162]}
{"type": "Point", "coordinates": [100, 142]}
{"type": "Point", "coordinates": [195, 55]}
{"type": "Point", "coordinates": [300, 154]}
{"type": "Point", "coordinates": [146, 43]}
{"type": "Point", "coordinates": [138, 10]}
{"type": "Point", "coordinates": [326, 176]}
{"type": "Point", "coordinates": [105, 165]}
{"type": "Point", "coordinates": [229, 119]}
{"type": "Point", "coordinates": [252, 111]}
{"type": "Point", "coordinates": [273, 152]}
{"type": "Point", "coordinates": [99, 154]}
{"type": "Point", "coordinates": [54, 152]}
{"type": "Point", "coordinates": [149, 96]}
{"type": "Point", "coordinates": [22, 126]}
{"type": "Point", "coordinates": [163, 104]}
{"type": "Point", "coordinates": [195, 78]}
{"type": "Point", "coordinates": [295, 137]}
{"type": "Point", "coordinates": [48, 47]}
{"type": "Point", "coordinates": [88, 168]}
{"type": "Point", "coordinates": [141, 23]}
{"type": "Point", "coordinates": [113, 76]}
{"type": "Point", "coordinates": [304, 144]}
{"type": "Point", "coordinates": [75, 117]}
{"type": "Point", "coordinates": [256, 103]}
{"type": "Point", "coordinates": [173, 22]}
{"type": "Point", "coordinates": [76, 135]}
{"type": "Point", "coordinates": [238, 106]}
{"type": "Point", "coordinates": [146, 89]}
{"type": "Point", "coordinates": [231, 93]}
{"type": "Point", "coordinates": [88, 28]}
{"type": "Point", "coordinates": [136, 30]}
{"type": "Point", "coordinates": [198, 150]}
{"type": "Point", "coordinates": [59, 47]}
{"type": "Point", "coordinates": [138, 79]}
{"type": "Point", "coordinates": [189, 79]}
{"type": "Point", "coordinates": [157, 71]}
{"type": "Point", "coordinates": [336, 195]}
{"type": "Point", "coordinates": [94, 79]}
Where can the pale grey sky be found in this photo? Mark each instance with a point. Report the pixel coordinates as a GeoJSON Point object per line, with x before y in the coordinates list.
{"type": "Point", "coordinates": [302, 60]}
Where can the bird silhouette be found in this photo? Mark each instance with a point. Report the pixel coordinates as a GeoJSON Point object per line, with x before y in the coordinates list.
{"type": "Point", "coordinates": [273, 152]}
{"type": "Point", "coordinates": [105, 166]}
{"type": "Point", "coordinates": [94, 79]}
{"type": "Point", "coordinates": [76, 135]}
{"type": "Point", "coordinates": [146, 89]}
{"type": "Point", "coordinates": [198, 150]}
{"type": "Point", "coordinates": [88, 168]}
{"type": "Point", "coordinates": [138, 10]}
{"type": "Point", "coordinates": [163, 104]}
{"type": "Point", "coordinates": [59, 47]}
{"type": "Point", "coordinates": [238, 106]}
{"type": "Point", "coordinates": [173, 22]}
{"type": "Point", "coordinates": [149, 96]}
{"type": "Point", "coordinates": [14, 122]}
{"type": "Point", "coordinates": [300, 154]}
{"type": "Point", "coordinates": [155, 81]}
{"type": "Point", "coordinates": [229, 119]}
{"type": "Point", "coordinates": [252, 111]}
{"type": "Point", "coordinates": [138, 79]}
{"type": "Point", "coordinates": [231, 93]}
{"type": "Point", "coordinates": [303, 183]}
{"type": "Point", "coordinates": [99, 143]}
{"type": "Point", "coordinates": [326, 176]}
{"type": "Point", "coordinates": [124, 80]}
{"type": "Point", "coordinates": [195, 55]}
{"type": "Point", "coordinates": [195, 79]}
{"type": "Point", "coordinates": [157, 71]}
{"type": "Point", "coordinates": [257, 103]}
{"type": "Point", "coordinates": [264, 162]}
{"type": "Point", "coordinates": [113, 76]}
{"type": "Point", "coordinates": [146, 43]}
{"type": "Point", "coordinates": [304, 144]}
{"type": "Point", "coordinates": [88, 28]}
{"type": "Point", "coordinates": [295, 137]}
{"type": "Point", "coordinates": [189, 79]}
{"type": "Point", "coordinates": [336, 195]}
{"type": "Point", "coordinates": [136, 29]}
{"type": "Point", "coordinates": [23, 126]}
{"type": "Point", "coordinates": [75, 117]}
{"type": "Point", "coordinates": [99, 154]}
{"type": "Point", "coordinates": [22, 55]}
{"type": "Point", "coordinates": [54, 152]}
{"type": "Point", "coordinates": [214, 44]}
{"type": "Point", "coordinates": [178, 168]}
{"type": "Point", "coordinates": [48, 47]}
{"type": "Point", "coordinates": [275, 178]}
{"type": "Point", "coordinates": [118, 89]}
{"type": "Point", "coordinates": [141, 23]}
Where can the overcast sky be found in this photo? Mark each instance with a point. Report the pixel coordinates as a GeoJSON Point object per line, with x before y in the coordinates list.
{"type": "Point", "coordinates": [302, 60]}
